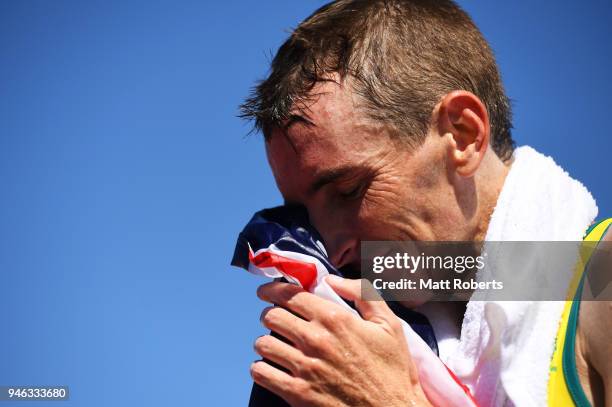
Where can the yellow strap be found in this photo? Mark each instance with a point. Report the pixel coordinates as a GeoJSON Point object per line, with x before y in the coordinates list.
{"type": "Point", "coordinates": [558, 392]}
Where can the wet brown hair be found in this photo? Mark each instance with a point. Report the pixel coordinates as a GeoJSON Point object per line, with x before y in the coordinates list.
{"type": "Point", "coordinates": [400, 56]}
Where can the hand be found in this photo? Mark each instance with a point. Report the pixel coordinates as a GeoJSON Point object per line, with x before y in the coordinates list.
{"type": "Point", "coordinates": [335, 357]}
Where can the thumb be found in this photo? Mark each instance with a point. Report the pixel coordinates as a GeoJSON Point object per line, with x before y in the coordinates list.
{"type": "Point", "coordinates": [368, 301]}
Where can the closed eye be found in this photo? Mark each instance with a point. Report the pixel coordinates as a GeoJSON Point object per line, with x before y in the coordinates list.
{"type": "Point", "coordinates": [354, 193]}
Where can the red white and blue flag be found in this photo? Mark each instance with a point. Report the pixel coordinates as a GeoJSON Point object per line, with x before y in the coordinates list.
{"type": "Point", "coordinates": [280, 243]}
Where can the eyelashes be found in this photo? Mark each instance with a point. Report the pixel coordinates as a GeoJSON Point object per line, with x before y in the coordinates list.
{"type": "Point", "coordinates": [354, 193]}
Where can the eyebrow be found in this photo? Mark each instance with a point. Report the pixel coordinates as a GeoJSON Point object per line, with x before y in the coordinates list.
{"type": "Point", "coordinates": [328, 176]}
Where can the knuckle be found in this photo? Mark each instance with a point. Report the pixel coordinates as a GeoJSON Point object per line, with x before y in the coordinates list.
{"type": "Point", "coordinates": [314, 339]}
{"type": "Point", "coordinates": [289, 294]}
{"type": "Point", "coordinates": [308, 367]}
{"type": "Point", "coordinates": [301, 388]}
{"type": "Point", "coordinates": [396, 325]}
{"type": "Point", "coordinates": [319, 339]}
{"type": "Point", "coordinates": [344, 317]}
{"type": "Point", "coordinates": [328, 318]}
{"type": "Point", "coordinates": [335, 317]}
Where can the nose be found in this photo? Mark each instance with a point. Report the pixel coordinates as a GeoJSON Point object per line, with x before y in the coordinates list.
{"type": "Point", "coordinates": [337, 233]}
{"type": "Point", "coordinates": [343, 253]}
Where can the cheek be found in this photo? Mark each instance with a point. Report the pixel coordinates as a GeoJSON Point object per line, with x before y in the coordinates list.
{"type": "Point", "coordinates": [383, 207]}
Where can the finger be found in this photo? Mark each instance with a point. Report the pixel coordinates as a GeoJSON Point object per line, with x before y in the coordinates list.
{"type": "Point", "coordinates": [275, 380]}
{"type": "Point", "coordinates": [294, 298]}
{"type": "Point", "coordinates": [279, 352]}
{"type": "Point", "coordinates": [371, 309]}
{"type": "Point", "coordinates": [285, 324]}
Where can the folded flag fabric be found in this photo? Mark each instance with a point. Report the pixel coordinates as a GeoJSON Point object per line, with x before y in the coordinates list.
{"type": "Point", "coordinates": [280, 243]}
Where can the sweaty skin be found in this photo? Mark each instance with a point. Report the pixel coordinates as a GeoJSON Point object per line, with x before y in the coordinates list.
{"type": "Point", "coordinates": [359, 180]}
{"type": "Point", "coordinates": [594, 347]}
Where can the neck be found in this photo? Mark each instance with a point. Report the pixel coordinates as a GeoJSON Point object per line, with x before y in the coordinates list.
{"type": "Point", "coordinates": [490, 178]}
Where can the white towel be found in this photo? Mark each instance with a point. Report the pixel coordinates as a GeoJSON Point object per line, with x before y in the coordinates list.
{"type": "Point", "coordinates": [505, 347]}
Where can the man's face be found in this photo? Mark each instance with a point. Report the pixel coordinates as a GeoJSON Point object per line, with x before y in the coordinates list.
{"type": "Point", "coordinates": [359, 183]}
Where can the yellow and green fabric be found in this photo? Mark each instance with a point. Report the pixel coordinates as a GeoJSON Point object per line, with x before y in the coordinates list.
{"type": "Point", "coordinates": [564, 388]}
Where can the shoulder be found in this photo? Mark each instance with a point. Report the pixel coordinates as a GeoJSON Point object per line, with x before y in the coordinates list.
{"type": "Point", "coordinates": [595, 324]}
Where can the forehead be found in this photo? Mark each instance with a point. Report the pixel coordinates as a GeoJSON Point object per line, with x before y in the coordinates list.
{"type": "Point", "coordinates": [340, 134]}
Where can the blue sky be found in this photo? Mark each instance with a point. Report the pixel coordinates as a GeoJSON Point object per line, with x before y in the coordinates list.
{"type": "Point", "coordinates": [125, 177]}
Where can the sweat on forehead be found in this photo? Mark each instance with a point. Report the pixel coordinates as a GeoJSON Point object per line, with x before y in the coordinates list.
{"type": "Point", "coordinates": [332, 120]}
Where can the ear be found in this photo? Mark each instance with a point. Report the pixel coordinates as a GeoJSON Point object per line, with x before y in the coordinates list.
{"type": "Point", "coordinates": [464, 121]}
